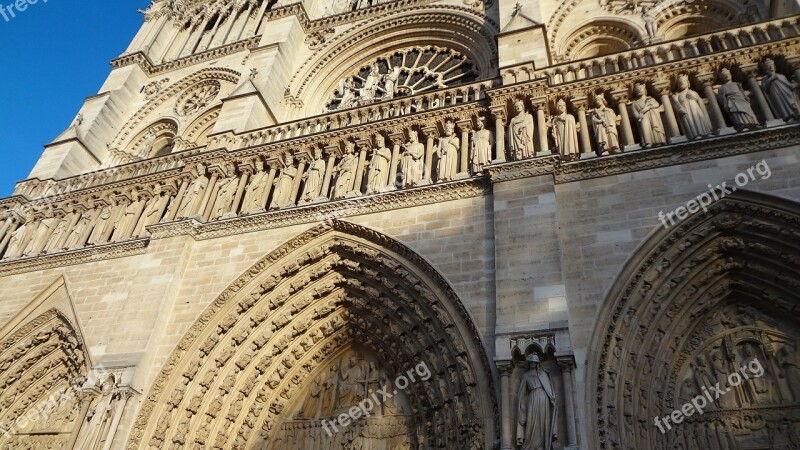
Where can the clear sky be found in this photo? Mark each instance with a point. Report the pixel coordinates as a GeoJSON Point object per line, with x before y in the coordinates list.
{"type": "Point", "coordinates": [52, 56]}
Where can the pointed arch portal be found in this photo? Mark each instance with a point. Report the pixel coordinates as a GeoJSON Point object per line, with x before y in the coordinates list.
{"type": "Point", "coordinates": [715, 296]}
{"type": "Point", "coordinates": [333, 314]}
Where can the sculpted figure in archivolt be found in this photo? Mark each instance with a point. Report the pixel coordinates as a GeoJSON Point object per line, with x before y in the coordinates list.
{"type": "Point", "coordinates": [536, 427]}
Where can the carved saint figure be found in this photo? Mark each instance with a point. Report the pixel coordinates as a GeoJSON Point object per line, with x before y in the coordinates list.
{"type": "Point", "coordinates": [520, 133]}
{"type": "Point", "coordinates": [255, 197]}
{"type": "Point", "coordinates": [390, 82]}
{"type": "Point", "coordinates": [77, 237]}
{"type": "Point", "coordinates": [17, 241]}
{"type": "Point", "coordinates": [40, 233]}
{"type": "Point", "coordinates": [226, 193]}
{"type": "Point", "coordinates": [352, 387]}
{"type": "Point", "coordinates": [99, 418]}
{"type": "Point", "coordinates": [130, 217]}
{"type": "Point", "coordinates": [647, 113]}
{"type": "Point", "coordinates": [314, 178]}
{"type": "Point", "coordinates": [346, 171]}
{"type": "Point", "coordinates": [379, 166]}
{"type": "Point", "coordinates": [691, 110]}
{"type": "Point", "coordinates": [604, 122]}
{"type": "Point", "coordinates": [194, 194]}
{"type": "Point", "coordinates": [412, 161]}
{"type": "Point", "coordinates": [536, 427]}
{"type": "Point", "coordinates": [780, 92]}
{"type": "Point", "coordinates": [650, 24]}
{"type": "Point", "coordinates": [55, 243]}
{"type": "Point", "coordinates": [348, 94]}
{"type": "Point", "coordinates": [369, 92]}
{"type": "Point", "coordinates": [565, 132]}
{"type": "Point", "coordinates": [284, 185]}
{"type": "Point", "coordinates": [147, 144]}
{"type": "Point", "coordinates": [448, 153]}
{"type": "Point", "coordinates": [482, 144]}
{"type": "Point", "coordinates": [735, 102]}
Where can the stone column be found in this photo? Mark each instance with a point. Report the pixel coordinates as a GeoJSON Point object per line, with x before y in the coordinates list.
{"type": "Point", "coordinates": [237, 201]}
{"type": "Point", "coordinates": [273, 170]}
{"type": "Point", "coordinates": [7, 236]}
{"type": "Point", "coordinates": [326, 184]}
{"type": "Point", "coordinates": [4, 230]}
{"type": "Point", "coordinates": [431, 133]}
{"type": "Point", "coordinates": [707, 80]}
{"type": "Point", "coordinates": [499, 113]}
{"type": "Point", "coordinates": [297, 178]}
{"type": "Point", "coordinates": [86, 396]}
{"type": "Point", "coordinates": [580, 104]}
{"type": "Point", "coordinates": [397, 138]}
{"type": "Point", "coordinates": [751, 72]}
{"type": "Point", "coordinates": [541, 124]}
{"type": "Point", "coordinates": [670, 122]}
{"type": "Point", "coordinates": [176, 201]}
{"type": "Point", "coordinates": [567, 365]}
{"type": "Point", "coordinates": [465, 126]}
{"type": "Point", "coordinates": [209, 196]}
{"type": "Point", "coordinates": [507, 437]}
{"type": "Point", "coordinates": [362, 158]}
{"type": "Point", "coordinates": [120, 408]}
{"type": "Point", "coordinates": [621, 97]}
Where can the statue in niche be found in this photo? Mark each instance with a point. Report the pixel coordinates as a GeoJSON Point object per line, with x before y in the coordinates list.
{"type": "Point", "coordinates": [284, 185]}
{"type": "Point", "coordinates": [721, 371]}
{"type": "Point", "coordinates": [735, 102]}
{"type": "Point", "coordinates": [650, 24]}
{"type": "Point", "coordinates": [520, 132]}
{"type": "Point", "coordinates": [154, 209]}
{"type": "Point", "coordinates": [100, 416]}
{"type": "Point", "coordinates": [482, 144]}
{"type": "Point", "coordinates": [412, 161]}
{"type": "Point", "coordinates": [390, 83]}
{"type": "Point", "coordinates": [147, 143]}
{"type": "Point", "coordinates": [54, 244]}
{"type": "Point", "coordinates": [352, 384]}
{"type": "Point", "coordinates": [194, 194]}
{"type": "Point", "coordinates": [314, 178]}
{"type": "Point", "coordinates": [226, 193]}
{"type": "Point", "coordinates": [379, 166]}
{"type": "Point", "coordinates": [17, 239]}
{"type": "Point", "coordinates": [536, 427]}
{"type": "Point", "coordinates": [76, 236]}
{"type": "Point", "coordinates": [369, 92]}
{"type": "Point", "coordinates": [565, 133]}
{"type": "Point", "coordinates": [348, 94]}
{"type": "Point", "coordinates": [691, 110]}
{"type": "Point", "coordinates": [40, 234]}
{"type": "Point", "coordinates": [329, 389]}
{"type": "Point", "coordinates": [788, 373]}
{"type": "Point", "coordinates": [605, 121]}
{"type": "Point", "coordinates": [313, 405]}
{"type": "Point", "coordinates": [130, 217]}
{"type": "Point", "coordinates": [448, 153]}
{"type": "Point", "coordinates": [254, 198]}
{"type": "Point", "coordinates": [346, 171]}
{"type": "Point", "coordinates": [780, 92]}
{"type": "Point", "coordinates": [647, 112]}
{"type": "Point", "coordinates": [102, 222]}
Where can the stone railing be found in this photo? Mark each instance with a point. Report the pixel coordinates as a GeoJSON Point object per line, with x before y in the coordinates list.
{"type": "Point", "coordinates": [758, 34]}
{"type": "Point", "coordinates": [419, 151]}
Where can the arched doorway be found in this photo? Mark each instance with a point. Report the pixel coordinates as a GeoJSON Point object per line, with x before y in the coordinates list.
{"type": "Point", "coordinates": [307, 334]}
{"type": "Point", "coordinates": [707, 309]}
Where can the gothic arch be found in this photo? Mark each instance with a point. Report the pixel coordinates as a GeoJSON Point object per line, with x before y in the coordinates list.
{"type": "Point", "coordinates": [154, 138]}
{"type": "Point", "coordinates": [196, 134]}
{"type": "Point", "coordinates": [176, 92]}
{"type": "Point", "coordinates": [43, 359]}
{"type": "Point", "coordinates": [682, 19]}
{"type": "Point", "coordinates": [461, 29]}
{"type": "Point", "coordinates": [600, 37]}
{"type": "Point", "coordinates": [275, 328]}
{"type": "Point", "coordinates": [687, 310]}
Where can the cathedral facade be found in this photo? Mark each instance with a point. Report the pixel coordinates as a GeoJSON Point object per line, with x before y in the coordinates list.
{"type": "Point", "coordinates": [417, 224]}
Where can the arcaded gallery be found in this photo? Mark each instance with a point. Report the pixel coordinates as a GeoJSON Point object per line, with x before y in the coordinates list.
{"type": "Point", "coordinates": [417, 225]}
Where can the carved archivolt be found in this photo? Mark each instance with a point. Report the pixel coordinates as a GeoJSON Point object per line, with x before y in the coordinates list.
{"type": "Point", "coordinates": [692, 307]}
{"type": "Point", "coordinates": [599, 38]}
{"type": "Point", "coordinates": [41, 365]}
{"type": "Point", "coordinates": [239, 375]}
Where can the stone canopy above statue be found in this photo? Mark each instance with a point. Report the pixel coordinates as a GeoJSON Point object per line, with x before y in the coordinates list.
{"type": "Point", "coordinates": [402, 73]}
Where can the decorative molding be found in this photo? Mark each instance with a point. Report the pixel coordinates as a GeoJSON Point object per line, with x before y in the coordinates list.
{"type": "Point", "coordinates": [74, 257]}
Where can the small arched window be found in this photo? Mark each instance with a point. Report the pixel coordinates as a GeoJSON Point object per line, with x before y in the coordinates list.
{"type": "Point", "coordinates": [156, 140]}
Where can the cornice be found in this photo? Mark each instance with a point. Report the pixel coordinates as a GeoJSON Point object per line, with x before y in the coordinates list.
{"type": "Point", "coordinates": [151, 69]}
{"type": "Point", "coordinates": [534, 167]}
{"type": "Point", "coordinates": [74, 257]}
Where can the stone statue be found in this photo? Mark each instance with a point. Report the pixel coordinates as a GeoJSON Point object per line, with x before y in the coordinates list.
{"type": "Point", "coordinates": [147, 144]}
{"type": "Point", "coordinates": [153, 210]}
{"type": "Point", "coordinates": [647, 113]}
{"type": "Point", "coordinates": [76, 238]}
{"type": "Point", "coordinates": [345, 172]}
{"type": "Point", "coordinates": [314, 178]}
{"type": "Point", "coordinates": [313, 403]}
{"type": "Point", "coordinates": [482, 144]}
{"type": "Point", "coordinates": [378, 174]}
{"type": "Point", "coordinates": [348, 94]}
{"type": "Point", "coordinates": [17, 240]}
{"type": "Point", "coordinates": [226, 193]}
{"type": "Point", "coordinates": [99, 418]}
{"type": "Point", "coordinates": [369, 92]}
{"type": "Point", "coordinates": [130, 217]}
{"type": "Point", "coordinates": [780, 92]}
{"type": "Point", "coordinates": [194, 194]}
{"type": "Point", "coordinates": [329, 388]}
{"type": "Point", "coordinates": [390, 83]}
{"type": "Point", "coordinates": [447, 167]}
{"type": "Point", "coordinates": [565, 133]}
{"type": "Point", "coordinates": [412, 161]}
{"type": "Point", "coordinates": [650, 24]}
{"type": "Point", "coordinates": [284, 185]}
{"type": "Point", "coordinates": [255, 197]}
{"type": "Point", "coordinates": [691, 110]}
{"type": "Point", "coordinates": [735, 102]}
{"type": "Point", "coordinates": [351, 387]}
{"type": "Point", "coordinates": [101, 222]}
{"type": "Point", "coordinates": [520, 133]}
{"type": "Point", "coordinates": [536, 427]}
{"type": "Point", "coordinates": [54, 244]}
{"type": "Point", "coordinates": [604, 122]}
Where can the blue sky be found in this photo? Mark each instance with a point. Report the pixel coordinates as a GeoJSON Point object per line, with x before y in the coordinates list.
{"type": "Point", "coordinates": [54, 55]}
